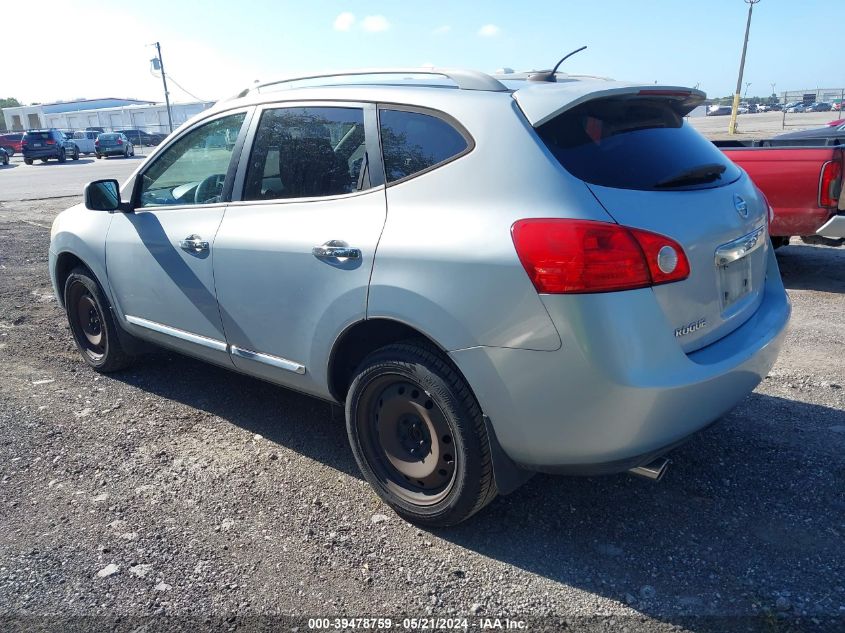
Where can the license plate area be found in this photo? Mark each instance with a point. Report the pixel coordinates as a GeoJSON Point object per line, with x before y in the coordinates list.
{"type": "Point", "coordinates": [734, 282]}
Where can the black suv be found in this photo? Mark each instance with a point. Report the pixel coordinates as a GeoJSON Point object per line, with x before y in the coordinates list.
{"type": "Point", "coordinates": [46, 144]}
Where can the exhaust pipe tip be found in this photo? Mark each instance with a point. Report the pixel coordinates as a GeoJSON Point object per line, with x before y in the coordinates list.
{"type": "Point", "coordinates": [654, 470]}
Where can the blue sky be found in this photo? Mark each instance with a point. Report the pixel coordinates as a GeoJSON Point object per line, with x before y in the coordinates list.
{"type": "Point", "coordinates": [214, 48]}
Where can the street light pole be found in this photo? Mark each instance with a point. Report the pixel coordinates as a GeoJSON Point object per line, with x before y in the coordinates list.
{"type": "Point", "coordinates": [167, 94]}
{"type": "Point", "coordinates": [732, 124]}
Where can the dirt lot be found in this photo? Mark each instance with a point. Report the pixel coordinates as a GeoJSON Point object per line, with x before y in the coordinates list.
{"type": "Point", "coordinates": [763, 125]}
{"type": "Point", "coordinates": [177, 488]}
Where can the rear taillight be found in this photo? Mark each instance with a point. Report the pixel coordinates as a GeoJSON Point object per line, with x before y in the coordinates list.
{"type": "Point", "coordinates": [51, 141]}
{"type": "Point", "coordinates": [23, 144]}
{"type": "Point", "coordinates": [97, 143]}
{"type": "Point", "coordinates": [120, 141]}
{"type": "Point", "coordinates": [831, 184]}
{"type": "Point", "coordinates": [582, 256]}
{"type": "Point", "coordinates": [770, 212]}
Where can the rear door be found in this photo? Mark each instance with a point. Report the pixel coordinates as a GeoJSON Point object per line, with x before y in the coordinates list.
{"type": "Point", "coordinates": [294, 253]}
{"type": "Point", "coordinates": [651, 170]}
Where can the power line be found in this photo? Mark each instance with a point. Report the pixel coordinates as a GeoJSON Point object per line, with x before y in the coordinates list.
{"type": "Point", "coordinates": [178, 85]}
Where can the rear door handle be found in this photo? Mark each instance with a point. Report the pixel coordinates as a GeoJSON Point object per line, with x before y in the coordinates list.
{"type": "Point", "coordinates": [193, 244]}
{"type": "Point", "coordinates": [336, 249]}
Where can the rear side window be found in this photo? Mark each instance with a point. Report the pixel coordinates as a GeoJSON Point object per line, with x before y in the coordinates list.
{"type": "Point", "coordinates": [307, 153]}
{"type": "Point", "coordinates": [635, 144]}
{"type": "Point", "coordinates": [413, 142]}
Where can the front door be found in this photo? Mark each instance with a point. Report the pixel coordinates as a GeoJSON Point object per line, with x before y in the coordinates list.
{"type": "Point", "coordinates": [159, 256]}
{"type": "Point", "coordinates": [294, 254]}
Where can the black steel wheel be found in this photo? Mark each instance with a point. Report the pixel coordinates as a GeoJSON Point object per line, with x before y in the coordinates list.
{"type": "Point", "coordinates": [91, 323]}
{"type": "Point", "coordinates": [418, 435]}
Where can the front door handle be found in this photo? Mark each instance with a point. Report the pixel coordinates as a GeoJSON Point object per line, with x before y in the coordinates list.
{"type": "Point", "coordinates": [194, 244]}
{"type": "Point", "coordinates": [336, 249]}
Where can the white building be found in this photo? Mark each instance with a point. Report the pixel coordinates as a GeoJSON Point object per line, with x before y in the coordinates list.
{"type": "Point", "coordinates": [109, 114]}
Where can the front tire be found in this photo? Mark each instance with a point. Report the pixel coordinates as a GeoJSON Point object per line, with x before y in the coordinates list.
{"type": "Point", "coordinates": [62, 156]}
{"type": "Point", "coordinates": [76, 154]}
{"type": "Point", "coordinates": [28, 161]}
{"type": "Point", "coordinates": [91, 323]}
{"type": "Point", "coordinates": [418, 435]}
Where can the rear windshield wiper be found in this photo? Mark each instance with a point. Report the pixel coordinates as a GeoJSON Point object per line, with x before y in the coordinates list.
{"type": "Point", "coordinates": [695, 176]}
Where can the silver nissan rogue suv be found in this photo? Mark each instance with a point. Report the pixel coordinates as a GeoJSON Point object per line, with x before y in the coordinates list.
{"type": "Point", "coordinates": [496, 275]}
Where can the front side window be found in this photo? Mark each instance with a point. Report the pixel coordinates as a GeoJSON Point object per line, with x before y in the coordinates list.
{"type": "Point", "coordinates": [307, 153]}
{"type": "Point", "coordinates": [193, 169]}
{"type": "Point", "coordinates": [412, 142]}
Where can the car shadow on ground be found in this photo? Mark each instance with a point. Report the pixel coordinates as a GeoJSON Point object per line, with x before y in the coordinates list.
{"type": "Point", "coordinates": [37, 162]}
{"type": "Point", "coordinates": [747, 520]}
{"type": "Point", "coordinates": [805, 267]}
{"type": "Point", "coordinates": [309, 426]}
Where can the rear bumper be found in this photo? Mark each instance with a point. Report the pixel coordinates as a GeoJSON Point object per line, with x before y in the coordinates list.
{"type": "Point", "coordinates": [620, 390]}
{"type": "Point", "coordinates": [834, 228]}
{"type": "Point", "coordinates": [111, 151]}
{"type": "Point", "coordinates": [47, 152]}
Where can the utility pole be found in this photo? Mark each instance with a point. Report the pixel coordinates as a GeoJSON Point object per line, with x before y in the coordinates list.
{"type": "Point", "coordinates": [160, 63]}
{"type": "Point", "coordinates": [732, 124]}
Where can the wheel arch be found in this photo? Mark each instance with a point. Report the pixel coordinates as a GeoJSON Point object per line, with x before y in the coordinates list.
{"type": "Point", "coordinates": [65, 263]}
{"type": "Point", "coordinates": [359, 340]}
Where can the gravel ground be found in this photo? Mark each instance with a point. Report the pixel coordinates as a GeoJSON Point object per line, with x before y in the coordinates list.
{"type": "Point", "coordinates": [183, 490]}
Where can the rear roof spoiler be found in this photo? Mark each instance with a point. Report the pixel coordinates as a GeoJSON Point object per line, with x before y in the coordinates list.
{"type": "Point", "coordinates": [541, 102]}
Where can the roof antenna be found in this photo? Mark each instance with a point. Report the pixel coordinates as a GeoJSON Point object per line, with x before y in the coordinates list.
{"type": "Point", "coordinates": [549, 75]}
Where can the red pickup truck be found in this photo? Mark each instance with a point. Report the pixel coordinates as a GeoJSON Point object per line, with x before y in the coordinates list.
{"type": "Point", "coordinates": [802, 183]}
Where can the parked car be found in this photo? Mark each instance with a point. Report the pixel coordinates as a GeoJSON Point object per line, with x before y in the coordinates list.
{"type": "Point", "coordinates": [4, 156]}
{"type": "Point", "coordinates": [718, 110]}
{"type": "Point", "coordinates": [837, 106]}
{"type": "Point", "coordinates": [95, 129]}
{"type": "Point", "coordinates": [84, 140]}
{"type": "Point", "coordinates": [818, 107]}
{"type": "Point", "coordinates": [797, 108]}
{"type": "Point", "coordinates": [761, 107]}
{"type": "Point", "coordinates": [113, 144]}
{"type": "Point", "coordinates": [569, 277]}
{"type": "Point", "coordinates": [47, 144]}
{"type": "Point", "coordinates": [11, 142]}
{"type": "Point", "coordinates": [835, 123]}
{"type": "Point", "coordinates": [140, 137]}
{"type": "Point", "coordinates": [801, 175]}
{"type": "Point", "coordinates": [775, 107]}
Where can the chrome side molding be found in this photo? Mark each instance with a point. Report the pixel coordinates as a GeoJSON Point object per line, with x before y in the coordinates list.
{"type": "Point", "coordinates": [220, 346]}
{"type": "Point", "coordinates": [268, 359]}
{"type": "Point", "coordinates": [211, 343]}
{"type": "Point", "coordinates": [740, 247]}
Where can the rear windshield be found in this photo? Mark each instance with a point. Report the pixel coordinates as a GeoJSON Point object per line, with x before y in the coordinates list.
{"type": "Point", "coordinates": [36, 135]}
{"type": "Point", "coordinates": [635, 144]}
{"type": "Point", "coordinates": [107, 137]}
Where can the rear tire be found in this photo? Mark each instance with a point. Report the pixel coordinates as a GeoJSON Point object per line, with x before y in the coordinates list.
{"type": "Point", "coordinates": [28, 161]}
{"type": "Point", "coordinates": [62, 156]}
{"type": "Point", "coordinates": [44, 160]}
{"type": "Point", "coordinates": [91, 323]}
{"type": "Point", "coordinates": [780, 241]}
{"type": "Point", "coordinates": [76, 154]}
{"type": "Point", "coordinates": [418, 435]}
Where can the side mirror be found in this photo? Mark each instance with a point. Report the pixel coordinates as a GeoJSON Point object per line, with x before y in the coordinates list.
{"type": "Point", "coordinates": [102, 195]}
